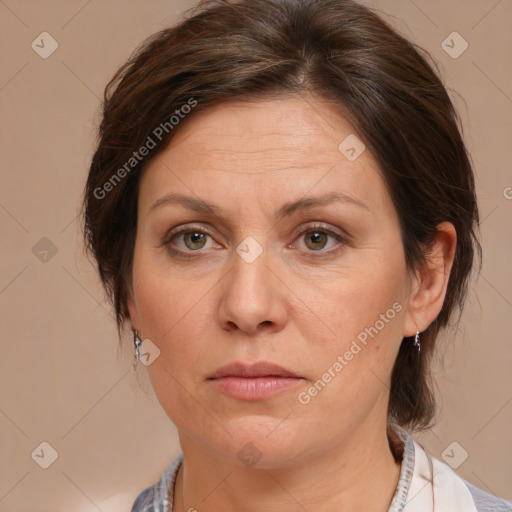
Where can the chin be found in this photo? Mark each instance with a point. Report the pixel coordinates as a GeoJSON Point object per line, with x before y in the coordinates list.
{"type": "Point", "coordinates": [261, 442]}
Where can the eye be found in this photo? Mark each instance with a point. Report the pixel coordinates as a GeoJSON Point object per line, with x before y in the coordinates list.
{"type": "Point", "coordinates": [186, 240]}
{"type": "Point", "coordinates": [316, 238]}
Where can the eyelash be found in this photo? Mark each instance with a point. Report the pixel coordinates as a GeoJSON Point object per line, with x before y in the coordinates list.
{"type": "Point", "coordinates": [192, 254]}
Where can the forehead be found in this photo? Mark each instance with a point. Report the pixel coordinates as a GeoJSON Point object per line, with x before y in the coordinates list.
{"type": "Point", "coordinates": [281, 148]}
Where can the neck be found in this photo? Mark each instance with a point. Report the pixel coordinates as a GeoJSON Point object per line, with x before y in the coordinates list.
{"type": "Point", "coordinates": [359, 474]}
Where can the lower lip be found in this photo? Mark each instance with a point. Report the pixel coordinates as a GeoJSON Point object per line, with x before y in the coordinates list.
{"type": "Point", "coordinates": [254, 388]}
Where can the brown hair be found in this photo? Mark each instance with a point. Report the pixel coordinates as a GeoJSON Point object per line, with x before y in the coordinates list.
{"type": "Point", "coordinates": [334, 49]}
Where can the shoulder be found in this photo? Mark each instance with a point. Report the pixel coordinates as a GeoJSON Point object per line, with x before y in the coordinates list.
{"type": "Point", "coordinates": [154, 497]}
{"type": "Point", "coordinates": [486, 502]}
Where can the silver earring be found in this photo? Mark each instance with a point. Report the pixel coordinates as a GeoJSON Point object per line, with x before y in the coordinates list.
{"type": "Point", "coordinates": [417, 341]}
{"type": "Point", "coordinates": [137, 342]}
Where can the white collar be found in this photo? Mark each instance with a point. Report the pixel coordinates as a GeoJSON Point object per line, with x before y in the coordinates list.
{"type": "Point", "coordinates": [448, 493]}
{"type": "Point", "coordinates": [433, 485]}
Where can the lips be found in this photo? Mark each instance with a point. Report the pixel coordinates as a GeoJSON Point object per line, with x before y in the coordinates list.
{"type": "Point", "coordinates": [261, 369]}
{"type": "Point", "coordinates": [252, 382]}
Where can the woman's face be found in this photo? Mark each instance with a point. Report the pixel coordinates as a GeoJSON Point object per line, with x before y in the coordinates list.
{"type": "Point", "coordinates": [269, 267]}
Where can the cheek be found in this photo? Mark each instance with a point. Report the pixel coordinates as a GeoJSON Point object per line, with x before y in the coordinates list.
{"type": "Point", "coordinates": [162, 307]}
{"type": "Point", "coordinates": [165, 299]}
{"type": "Point", "coordinates": [350, 301]}
{"type": "Point", "coordinates": [169, 313]}
{"type": "Point", "coordinates": [350, 370]}
{"type": "Point", "coordinates": [360, 315]}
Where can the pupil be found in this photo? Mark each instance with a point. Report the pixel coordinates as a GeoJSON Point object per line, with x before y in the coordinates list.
{"type": "Point", "coordinates": [316, 237]}
{"type": "Point", "coordinates": [195, 237]}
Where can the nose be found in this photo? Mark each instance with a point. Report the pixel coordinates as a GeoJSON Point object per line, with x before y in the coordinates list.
{"type": "Point", "coordinates": [253, 297]}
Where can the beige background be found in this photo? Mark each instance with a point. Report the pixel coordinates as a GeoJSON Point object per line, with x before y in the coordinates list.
{"type": "Point", "coordinates": [62, 379]}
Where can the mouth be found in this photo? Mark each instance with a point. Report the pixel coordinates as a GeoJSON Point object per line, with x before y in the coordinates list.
{"type": "Point", "coordinates": [261, 369]}
{"type": "Point", "coordinates": [254, 382]}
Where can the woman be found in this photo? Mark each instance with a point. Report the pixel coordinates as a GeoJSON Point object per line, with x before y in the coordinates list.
{"type": "Point", "coordinates": [282, 207]}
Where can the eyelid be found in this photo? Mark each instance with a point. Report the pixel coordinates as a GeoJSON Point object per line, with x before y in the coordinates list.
{"type": "Point", "coordinates": [304, 228]}
{"type": "Point", "coordinates": [186, 227]}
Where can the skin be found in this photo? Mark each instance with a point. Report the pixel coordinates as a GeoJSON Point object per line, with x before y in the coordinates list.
{"type": "Point", "coordinates": [286, 307]}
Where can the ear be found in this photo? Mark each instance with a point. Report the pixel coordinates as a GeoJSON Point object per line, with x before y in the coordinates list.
{"type": "Point", "coordinates": [428, 287]}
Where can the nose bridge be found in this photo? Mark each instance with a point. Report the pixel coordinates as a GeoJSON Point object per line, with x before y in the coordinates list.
{"type": "Point", "coordinates": [249, 296]}
{"type": "Point", "coordinates": [250, 279]}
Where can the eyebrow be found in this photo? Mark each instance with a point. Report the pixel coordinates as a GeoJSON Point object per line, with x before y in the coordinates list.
{"type": "Point", "coordinates": [289, 208]}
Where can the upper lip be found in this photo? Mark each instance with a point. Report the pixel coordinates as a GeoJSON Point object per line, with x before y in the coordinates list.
{"type": "Point", "coordinates": [261, 369]}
